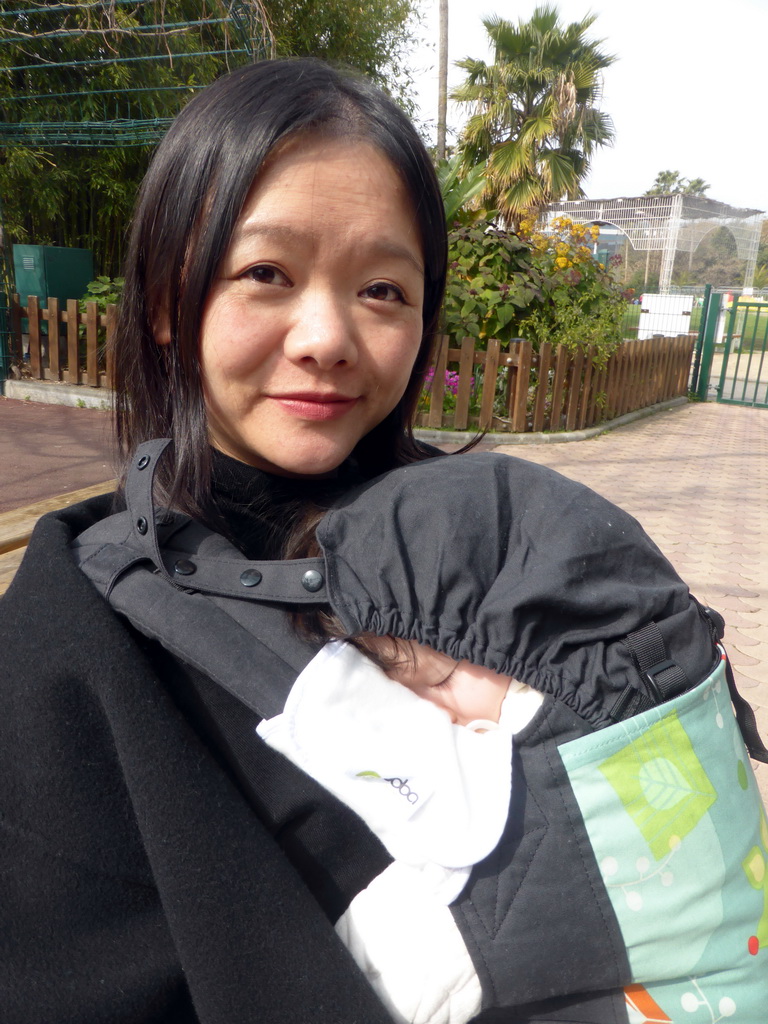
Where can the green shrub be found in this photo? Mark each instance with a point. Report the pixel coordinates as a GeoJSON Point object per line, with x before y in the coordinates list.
{"type": "Point", "coordinates": [491, 281]}
{"type": "Point", "coordinates": [106, 291]}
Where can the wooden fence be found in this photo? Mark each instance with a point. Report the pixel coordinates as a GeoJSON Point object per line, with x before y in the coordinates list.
{"type": "Point", "coordinates": [516, 390]}
{"type": "Point", "coordinates": [73, 349]}
{"type": "Point", "coordinates": [519, 390]}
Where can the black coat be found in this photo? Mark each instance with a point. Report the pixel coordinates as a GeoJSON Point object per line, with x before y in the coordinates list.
{"type": "Point", "coordinates": [137, 883]}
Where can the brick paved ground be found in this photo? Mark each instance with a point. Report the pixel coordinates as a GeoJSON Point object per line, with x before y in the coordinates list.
{"type": "Point", "coordinates": [47, 450]}
{"type": "Point", "coordinates": [697, 480]}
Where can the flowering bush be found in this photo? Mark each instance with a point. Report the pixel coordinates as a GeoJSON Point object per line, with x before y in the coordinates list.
{"type": "Point", "coordinates": [542, 287]}
{"type": "Point", "coordinates": [581, 303]}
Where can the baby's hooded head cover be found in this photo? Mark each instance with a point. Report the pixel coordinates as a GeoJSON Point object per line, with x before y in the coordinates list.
{"type": "Point", "coordinates": [513, 566]}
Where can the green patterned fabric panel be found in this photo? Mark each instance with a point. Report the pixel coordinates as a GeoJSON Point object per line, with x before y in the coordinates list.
{"type": "Point", "coordinates": [673, 813]}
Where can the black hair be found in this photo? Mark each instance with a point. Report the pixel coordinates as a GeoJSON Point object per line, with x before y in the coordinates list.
{"type": "Point", "coordinates": [187, 209]}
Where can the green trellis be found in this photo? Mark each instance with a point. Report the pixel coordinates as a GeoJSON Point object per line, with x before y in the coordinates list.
{"type": "Point", "coordinates": [110, 73]}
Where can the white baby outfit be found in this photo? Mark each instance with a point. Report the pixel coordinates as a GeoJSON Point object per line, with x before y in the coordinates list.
{"type": "Point", "coordinates": [436, 795]}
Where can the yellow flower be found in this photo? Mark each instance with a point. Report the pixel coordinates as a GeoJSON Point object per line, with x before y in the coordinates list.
{"type": "Point", "coordinates": [595, 232]}
{"type": "Point", "coordinates": [562, 248]}
{"type": "Point", "coordinates": [562, 262]}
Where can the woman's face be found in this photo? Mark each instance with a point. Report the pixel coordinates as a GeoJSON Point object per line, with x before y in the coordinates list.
{"type": "Point", "coordinates": [312, 327]}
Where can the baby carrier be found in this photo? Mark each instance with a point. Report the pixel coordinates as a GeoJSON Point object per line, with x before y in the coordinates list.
{"type": "Point", "coordinates": [630, 884]}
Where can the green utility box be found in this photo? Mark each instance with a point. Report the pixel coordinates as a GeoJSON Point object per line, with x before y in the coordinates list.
{"type": "Point", "coordinates": [51, 271]}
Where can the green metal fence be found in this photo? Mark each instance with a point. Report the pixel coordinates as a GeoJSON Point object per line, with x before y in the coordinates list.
{"type": "Point", "coordinates": [744, 370]}
{"type": "Point", "coordinates": [6, 290]}
{"type": "Point", "coordinates": [5, 336]}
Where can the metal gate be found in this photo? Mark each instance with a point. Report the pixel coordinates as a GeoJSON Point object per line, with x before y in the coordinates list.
{"type": "Point", "coordinates": [744, 370]}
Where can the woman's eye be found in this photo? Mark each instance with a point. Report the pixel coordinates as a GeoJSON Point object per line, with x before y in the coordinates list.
{"type": "Point", "coordinates": [266, 274]}
{"type": "Point", "coordinates": [383, 292]}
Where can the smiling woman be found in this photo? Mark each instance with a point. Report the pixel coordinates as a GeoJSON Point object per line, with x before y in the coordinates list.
{"type": "Point", "coordinates": [158, 861]}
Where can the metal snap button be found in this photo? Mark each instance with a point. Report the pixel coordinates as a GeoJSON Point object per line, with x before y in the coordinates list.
{"type": "Point", "coordinates": [143, 462]}
{"type": "Point", "coordinates": [142, 525]}
{"type": "Point", "coordinates": [312, 580]}
{"type": "Point", "coordinates": [250, 578]}
{"type": "Point", "coordinates": [183, 567]}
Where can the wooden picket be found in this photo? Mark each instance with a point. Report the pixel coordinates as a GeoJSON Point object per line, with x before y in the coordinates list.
{"type": "Point", "coordinates": [73, 369]}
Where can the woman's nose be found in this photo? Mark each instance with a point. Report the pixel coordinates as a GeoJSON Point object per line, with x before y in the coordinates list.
{"type": "Point", "coordinates": [323, 332]}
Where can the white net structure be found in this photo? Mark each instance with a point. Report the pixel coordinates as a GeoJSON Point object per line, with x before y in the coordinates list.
{"type": "Point", "coordinates": [669, 224]}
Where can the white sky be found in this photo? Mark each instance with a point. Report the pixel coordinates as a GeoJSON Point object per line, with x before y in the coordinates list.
{"type": "Point", "coordinates": [688, 92]}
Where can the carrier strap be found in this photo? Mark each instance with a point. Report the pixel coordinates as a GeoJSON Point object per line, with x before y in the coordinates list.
{"type": "Point", "coordinates": [187, 587]}
{"type": "Point", "coordinates": [662, 677]}
{"type": "Point", "coordinates": [745, 716]}
{"type": "Point", "coordinates": [299, 581]}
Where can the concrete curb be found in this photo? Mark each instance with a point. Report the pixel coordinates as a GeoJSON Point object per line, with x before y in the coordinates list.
{"type": "Point", "coordinates": [55, 393]}
{"type": "Point", "coordinates": [464, 437]}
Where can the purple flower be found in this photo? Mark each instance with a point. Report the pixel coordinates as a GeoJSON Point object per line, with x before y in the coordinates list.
{"type": "Point", "coordinates": [451, 381]}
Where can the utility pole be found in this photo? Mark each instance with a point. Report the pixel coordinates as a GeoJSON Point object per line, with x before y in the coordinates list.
{"type": "Point", "coordinates": [442, 94]}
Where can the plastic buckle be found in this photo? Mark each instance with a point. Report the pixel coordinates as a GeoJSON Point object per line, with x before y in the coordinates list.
{"type": "Point", "coordinates": [650, 675]}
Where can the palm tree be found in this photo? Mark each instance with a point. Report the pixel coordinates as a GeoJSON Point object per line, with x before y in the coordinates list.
{"type": "Point", "coordinates": [672, 183]}
{"type": "Point", "coordinates": [535, 116]}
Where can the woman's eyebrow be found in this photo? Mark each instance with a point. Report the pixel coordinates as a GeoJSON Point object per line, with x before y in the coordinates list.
{"type": "Point", "coordinates": [383, 247]}
{"type": "Point", "coordinates": [257, 229]}
{"type": "Point", "coordinates": [298, 235]}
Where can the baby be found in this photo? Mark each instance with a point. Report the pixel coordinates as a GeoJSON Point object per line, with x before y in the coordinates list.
{"type": "Point", "coordinates": [420, 746]}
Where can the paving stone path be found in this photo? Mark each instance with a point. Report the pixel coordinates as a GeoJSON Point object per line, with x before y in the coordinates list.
{"type": "Point", "coordinates": [46, 450]}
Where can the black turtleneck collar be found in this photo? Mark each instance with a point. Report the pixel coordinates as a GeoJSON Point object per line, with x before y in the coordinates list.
{"type": "Point", "coordinates": [259, 508]}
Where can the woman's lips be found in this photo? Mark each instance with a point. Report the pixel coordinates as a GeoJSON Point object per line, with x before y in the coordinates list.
{"type": "Point", "coordinates": [315, 407]}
